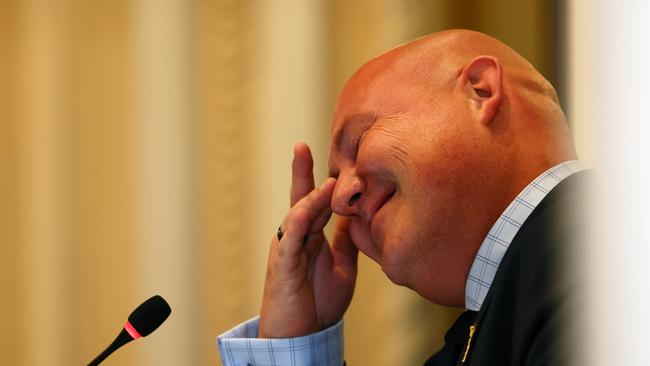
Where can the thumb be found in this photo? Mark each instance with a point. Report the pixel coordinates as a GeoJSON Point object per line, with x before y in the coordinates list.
{"type": "Point", "coordinates": [344, 252]}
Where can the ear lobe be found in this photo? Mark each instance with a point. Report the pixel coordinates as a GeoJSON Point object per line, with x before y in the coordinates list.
{"type": "Point", "coordinates": [484, 76]}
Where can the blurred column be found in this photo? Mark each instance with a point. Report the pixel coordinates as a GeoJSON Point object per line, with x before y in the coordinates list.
{"type": "Point", "coordinates": [99, 172]}
{"type": "Point", "coordinates": [223, 153]}
{"type": "Point", "coordinates": [11, 162]}
{"type": "Point", "coordinates": [44, 250]}
{"type": "Point", "coordinates": [166, 249]}
{"type": "Point", "coordinates": [287, 105]}
{"type": "Point", "coordinates": [609, 57]}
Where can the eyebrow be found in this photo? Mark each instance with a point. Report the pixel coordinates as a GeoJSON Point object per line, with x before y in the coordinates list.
{"type": "Point", "coordinates": [365, 119]}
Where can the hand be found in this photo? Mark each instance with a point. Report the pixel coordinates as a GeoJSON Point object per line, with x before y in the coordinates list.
{"type": "Point", "coordinates": [309, 284]}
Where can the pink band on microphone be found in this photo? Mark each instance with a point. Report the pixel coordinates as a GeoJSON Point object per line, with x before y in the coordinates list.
{"type": "Point", "coordinates": [132, 332]}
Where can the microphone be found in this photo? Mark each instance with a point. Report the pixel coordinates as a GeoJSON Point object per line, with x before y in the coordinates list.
{"type": "Point", "coordinates": [143, 320]}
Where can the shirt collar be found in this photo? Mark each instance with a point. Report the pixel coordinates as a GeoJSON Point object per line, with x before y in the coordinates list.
{"type": "Point", "coordinates": [498, 239]}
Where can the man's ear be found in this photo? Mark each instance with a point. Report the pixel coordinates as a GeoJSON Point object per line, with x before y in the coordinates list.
{"type": "Point", "coordinates": [483, 77]}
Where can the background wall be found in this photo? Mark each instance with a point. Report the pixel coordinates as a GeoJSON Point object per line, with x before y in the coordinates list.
{"type": "Point", "coordinates": [146, 149]}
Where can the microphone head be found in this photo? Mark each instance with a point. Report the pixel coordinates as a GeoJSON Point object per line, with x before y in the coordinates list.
{"type": "Point", "coordinates": [150, 315]}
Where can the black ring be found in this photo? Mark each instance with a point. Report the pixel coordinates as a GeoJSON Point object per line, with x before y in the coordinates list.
{"type": "Point", "coordinates": [280, 233]}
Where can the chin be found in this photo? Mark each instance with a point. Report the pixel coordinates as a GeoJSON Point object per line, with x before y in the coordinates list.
{"type": "Point", "coordinates": [442, 295]}
{"type": "Point", "coordinates": [448, 301]}
{"type": "Point", "coordinates": [395, 279]}
{"type": "Point", "coordinates": [435, 289]}
{"type": "Point", "coordinates": [395, 276]}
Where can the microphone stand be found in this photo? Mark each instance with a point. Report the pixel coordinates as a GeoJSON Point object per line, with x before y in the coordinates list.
{"type": "Point", "coordinates": [123, 338]}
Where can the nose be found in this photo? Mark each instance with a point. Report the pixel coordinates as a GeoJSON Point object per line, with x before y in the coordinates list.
{"type": "Point", "coordinates": [348, 194]}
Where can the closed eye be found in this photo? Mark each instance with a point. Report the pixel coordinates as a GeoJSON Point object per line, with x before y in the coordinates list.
{"type": "Point", "coordinates": [358, 140]}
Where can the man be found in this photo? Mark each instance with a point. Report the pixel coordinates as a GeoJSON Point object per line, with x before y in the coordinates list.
{"type": "Point", "coordinates": [448, 158]}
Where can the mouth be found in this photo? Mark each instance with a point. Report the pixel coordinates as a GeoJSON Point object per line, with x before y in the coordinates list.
{"type": "Point", "coordinates": [380, 203]}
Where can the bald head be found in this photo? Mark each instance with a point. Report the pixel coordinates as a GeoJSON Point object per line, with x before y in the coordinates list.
{"type": "Point", "coordinates": [441, 133]}
{"type": "Point", "coordinates": [435, 61]}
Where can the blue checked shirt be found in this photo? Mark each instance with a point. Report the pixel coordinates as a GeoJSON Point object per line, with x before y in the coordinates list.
{"type": "Point", "coordinates": [240, 345]}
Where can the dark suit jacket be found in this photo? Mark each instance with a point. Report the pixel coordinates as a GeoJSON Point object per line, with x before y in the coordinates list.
{"type": "Point", "coordinates": [525, 317]}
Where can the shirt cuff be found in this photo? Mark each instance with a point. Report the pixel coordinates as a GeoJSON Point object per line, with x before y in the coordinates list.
{"type": "Point", "coordinates": [240, 346]}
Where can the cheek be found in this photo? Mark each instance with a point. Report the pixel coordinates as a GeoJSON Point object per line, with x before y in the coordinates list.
{"type": "Point", "coordinates": [426, 212]}
{"type": "Point", "coordinates": [402, 247]}
{"type": "Point", "coordinates": [447, 170]}
{"type": "Point", "coordinates": [416, 242]}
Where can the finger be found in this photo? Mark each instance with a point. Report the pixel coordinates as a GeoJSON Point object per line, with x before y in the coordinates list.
{"type": "Point", "coordinates": [294, 236]}
{"type": "Point", "coordinates": [318, 198]}
{"type": "Point", "coordinates": [315, 236]}
{"type": "Point", "coordinates": [299, 221]}
{"type": "Point", "coordinates": [302, 173]}
{"type": "Point", "coordinates": [344, 252]}
{"type": "Point", "coordinates": [321, 220]}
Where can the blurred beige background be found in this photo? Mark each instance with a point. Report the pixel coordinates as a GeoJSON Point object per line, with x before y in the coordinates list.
{"type": "Point", "coordinates": [146, 149]}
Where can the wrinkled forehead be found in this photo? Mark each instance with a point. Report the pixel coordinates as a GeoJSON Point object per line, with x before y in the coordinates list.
{"type": "Point", "coordinates": [371, 90]}
{"type": "Point", "coordinates": [384, 87]}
